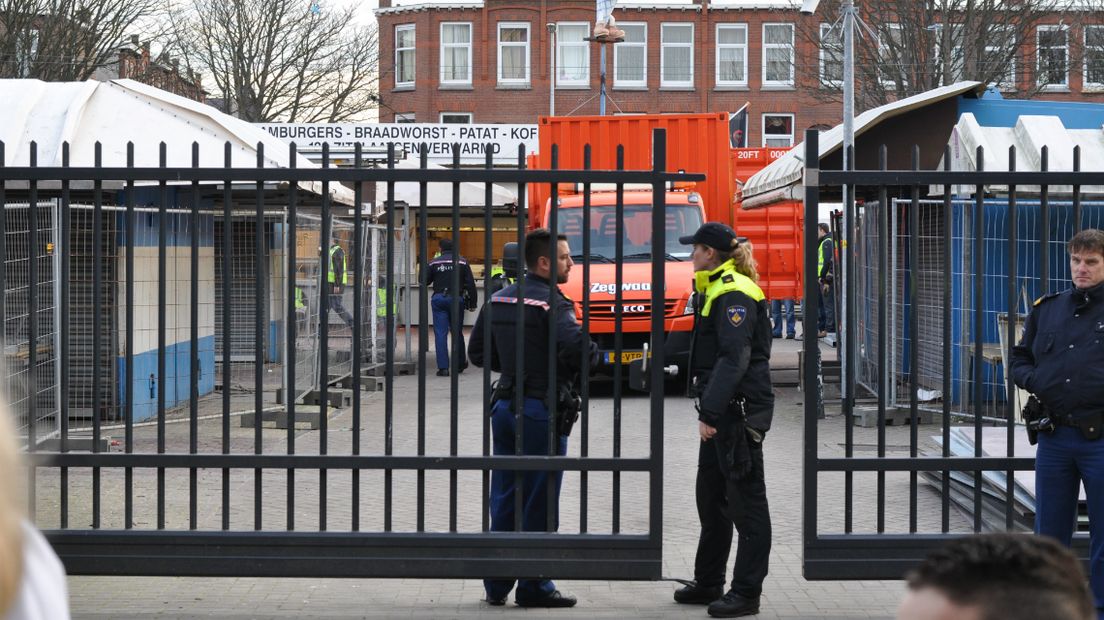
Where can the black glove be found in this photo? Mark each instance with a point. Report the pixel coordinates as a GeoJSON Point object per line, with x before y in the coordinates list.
{"type": "Point", "coordinates": [469, 302]}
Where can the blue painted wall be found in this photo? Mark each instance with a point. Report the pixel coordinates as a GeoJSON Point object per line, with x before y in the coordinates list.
{"type": "Point", "coordinates": [177, 380]}
{"type": "Point", "coordinates": [993, 111]}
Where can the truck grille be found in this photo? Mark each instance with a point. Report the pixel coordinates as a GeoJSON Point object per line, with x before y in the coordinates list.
{"type": "Point", "coordinates": [632, 310]}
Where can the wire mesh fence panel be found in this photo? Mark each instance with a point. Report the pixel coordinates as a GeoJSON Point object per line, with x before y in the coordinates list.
{"type": "Point", "coordinates": [379, 292]}
{"type": "Point", "coordinates": [310, 302]}
{"type": "Point", "coordinates": [31, 368]}
{"type": "Point", "coordinates": [338, 297]}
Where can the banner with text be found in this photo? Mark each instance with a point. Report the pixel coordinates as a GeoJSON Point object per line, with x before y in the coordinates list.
{"type": "Point", "coordinates": [474, 140]}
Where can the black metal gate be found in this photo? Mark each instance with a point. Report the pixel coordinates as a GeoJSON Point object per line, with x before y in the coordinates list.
{"type": "Point", "coordinates": [190, 493]}
{"type": "Point", "coordinates": [876, 515]}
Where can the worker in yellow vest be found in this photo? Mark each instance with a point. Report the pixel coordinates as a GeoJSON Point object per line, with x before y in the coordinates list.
{"type": "Point", "coordinates": [337, 278]}
{"type": "Point", "coordinates": [826, 251]}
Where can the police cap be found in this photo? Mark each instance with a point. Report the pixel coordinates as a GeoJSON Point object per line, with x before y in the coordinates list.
{"type": "Point", "coordinates": [715, 235]}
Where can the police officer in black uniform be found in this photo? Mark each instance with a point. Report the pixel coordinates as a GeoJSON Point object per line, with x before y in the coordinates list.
{"type": "Point", "coordinates": [500, 316]}
{"type": "Point", "coordinates": [730, 378]}
{"type": "Point", "coordinates": [440, 278]}
{"type": "Point", "coordinates": [1061, 361]}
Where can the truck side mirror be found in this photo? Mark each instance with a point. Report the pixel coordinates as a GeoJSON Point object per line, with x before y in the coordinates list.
{"type": "Point", "coordinates": [510, 264]}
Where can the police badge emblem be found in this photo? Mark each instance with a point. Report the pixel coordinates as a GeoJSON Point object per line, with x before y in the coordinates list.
{"type": "Point", "coordinates": [736, 315]}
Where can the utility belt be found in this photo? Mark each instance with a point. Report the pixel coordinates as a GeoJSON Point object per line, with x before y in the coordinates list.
{"type": "Point", "coordinates": [565, 410]}
{"type": "Point", "coordinates": [1038, 419]}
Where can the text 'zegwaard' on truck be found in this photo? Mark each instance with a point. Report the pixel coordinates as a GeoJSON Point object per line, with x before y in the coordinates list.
{"type": "Point", "coordinates": [696, 143]}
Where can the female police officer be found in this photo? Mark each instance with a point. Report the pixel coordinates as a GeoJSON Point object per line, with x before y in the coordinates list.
{"type": "Point", "coordinates": [730, 377]}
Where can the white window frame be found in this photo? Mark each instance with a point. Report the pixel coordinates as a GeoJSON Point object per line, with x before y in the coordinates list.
{"type": "Point", "coordinates": [767, 46]}
{"type": "Point", "coordinates": [1064, 85]}
{"type": "Point", "coordinates": [469, 115]}
{"type": "Point", "coordinates": [1086, 84]}
{"type": "Point", "coordinates": [887, 80]}
{"type": "Point", "coordinates": [720, 46]}
{"type": "Point", "coordinates": [412, 50]}
{"type": "Point", "coordinates": [27, 50]}
{"type": "Point", "coordinates": [1008, 83]}
{"type": "Point", "coordinates": [619, 81]}
{"type": "Point", "coordinates": [444, 46]}
{"type": "Point", "coordinates": [405, 117]}
{"type": "Point", "coordinates": [664, 46]}
{"type": "Point", "coordinates": [824, 81]}
{"type": "Point", "coordinates": [763, 128]}
{"type": "Point", "coordinates": [528, 54]}
{"type": "Point", "coordinates": [561, 46]}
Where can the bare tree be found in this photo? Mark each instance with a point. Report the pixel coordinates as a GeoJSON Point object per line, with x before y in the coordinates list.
{"type": "Point", "coordinates": [68, 40]}
{"type": "Point", "coordinates": [911, 46]}
{"type": "Point", "coordinates": [281, 60]}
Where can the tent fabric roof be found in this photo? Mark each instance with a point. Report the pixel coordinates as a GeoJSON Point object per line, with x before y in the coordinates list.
{"type": "Point", "coordinates": [1029, 135]}
{"type": "Point", "coordinates": [116, 112]}
{"type": "Point", "coordinates": [440, 194]}
{"type": "Point", "coordinates": [788, 169]}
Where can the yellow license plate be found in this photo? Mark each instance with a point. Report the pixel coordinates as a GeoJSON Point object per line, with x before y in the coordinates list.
{"type": "Point", "coordinates": [626, 356]}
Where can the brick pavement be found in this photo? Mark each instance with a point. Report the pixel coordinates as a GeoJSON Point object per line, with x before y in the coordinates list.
{"type": "Point", "coordinates": [786, 595]}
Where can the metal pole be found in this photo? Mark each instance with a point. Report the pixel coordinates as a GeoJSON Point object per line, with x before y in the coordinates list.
{"type": "Point", "coordinates": [844, 244]}
{"type": "Point", "coordinates": [602, 81]}
{"type": "Point", "coordinates": [552, 70]}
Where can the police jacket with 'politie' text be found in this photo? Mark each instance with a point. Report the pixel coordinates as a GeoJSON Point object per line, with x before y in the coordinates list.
{"type": "Point", "coordinates": [730, 347]}
{"type": "Point", "coordinates": [502, 316]}
{"type": "Point", "coordinates": [440, 276]}
{"type": "Point", "coordinates": [1061, 356]}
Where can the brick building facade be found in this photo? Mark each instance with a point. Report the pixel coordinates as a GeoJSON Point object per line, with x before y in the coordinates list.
{"type": "Point", "coordinates": [490, 61]}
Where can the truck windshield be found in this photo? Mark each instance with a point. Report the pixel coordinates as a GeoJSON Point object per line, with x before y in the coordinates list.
{"type": "Point", "coordinates": [681, 220]}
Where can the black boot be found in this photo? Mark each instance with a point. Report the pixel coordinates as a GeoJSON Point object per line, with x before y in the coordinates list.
{"type": "Point", "coordinates": [734, 605]}
{"type": "Point", "coordinates": [554, 599]}
{"type": "Point", "coordinates": [698, 595]}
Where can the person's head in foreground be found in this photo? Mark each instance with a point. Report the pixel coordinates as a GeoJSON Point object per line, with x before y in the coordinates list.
{"type": "Point", "coordinates": [998, 577]}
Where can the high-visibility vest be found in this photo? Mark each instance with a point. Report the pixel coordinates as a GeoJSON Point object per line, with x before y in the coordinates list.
{"type": "Point", "coordinates": [381, 303]}
{"type": "Point", "coordinates": [820, 255]}
{"type": "Point", "coordinates": [724, 279]}
{"type": "Point", "coordinates": [344, 266]}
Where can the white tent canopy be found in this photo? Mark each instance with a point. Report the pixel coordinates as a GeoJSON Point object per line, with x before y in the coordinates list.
{"type": "Point", "coordinates": [440, 194]}
{"type": "Point", "coordinates": [116, 112]}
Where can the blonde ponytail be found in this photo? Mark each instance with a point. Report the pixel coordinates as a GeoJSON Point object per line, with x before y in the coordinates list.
{"type": "Point", "coordinates": [745, 261]}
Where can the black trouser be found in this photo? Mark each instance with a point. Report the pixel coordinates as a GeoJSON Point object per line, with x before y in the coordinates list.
{"type": "Point", "coordinates": [722, 504]}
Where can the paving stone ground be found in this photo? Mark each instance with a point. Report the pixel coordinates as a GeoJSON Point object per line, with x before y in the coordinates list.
{"type": "Point", "coordinates": [786, 593]}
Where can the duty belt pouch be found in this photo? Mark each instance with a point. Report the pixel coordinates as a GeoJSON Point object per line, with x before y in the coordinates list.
{"type": "Point", "coordinates": [1090, 425]}
{"type": "Point", "coordinates": [1035, 419]}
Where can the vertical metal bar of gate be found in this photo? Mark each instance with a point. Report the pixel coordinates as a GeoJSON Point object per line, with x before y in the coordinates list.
{"type": "Point", "coordinates": [423, 323]}
{"type": "Point", "coordinates": [1076, 191]}
{"type": "Point", "coordinates": [162, 315]}
{"type": "Point", "coordinates": [584, 426]}
{"type": "Point", "coordinates": [389, 338]}
{"type": "Point", "coordinates": [811, 185]}
{"type": "Point", "coordinates": [324, 276]}
{"type": "Point", "coordinates": [979, 326]}
{"type": "Point", "coordinates": [291, 395]}
{"type": "Point", "coordinates": [63, 332]}
{"type": "Point", "coordinates": [519, 352]}
{"type": "Point", "coordinates": [883, 370]}
{"type": "Point", "coordinates": [618, 323]}
{"type": "Point", "coordinates": [193, 400]}
{"type": "Point", "coordinates": [227, 381]}
{"type": "Point", "coordinates": [131, 232]}
{"type": "Point", "coordinates": [488, 264]}
{"type": "Point", "coordinates": [97, 326]}
{"type": "Point", "coordinates": [1009, 384]}
{"type": "Point", "coordinates": [553, 350]}
{"type": "Point", "coordinates": [32, 329]}
{"type": "Point", "coordinates": [457, 324]}
{"type": "Point", "coordinates": [914, 334]}
{"type": "Point", "coordinates": [1044, 216]}
{"type": "Point", "coordinates": [358, 323]}
{"type": "Point", "coordinates": [659, 245]}
{"type": "Point", "coordinates": [947, 219]}
{"type": "Point", "coordinates": [259, 300]}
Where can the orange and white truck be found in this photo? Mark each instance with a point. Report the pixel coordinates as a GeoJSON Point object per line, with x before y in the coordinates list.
{"type": "Point", "coordinates": [697, 143]}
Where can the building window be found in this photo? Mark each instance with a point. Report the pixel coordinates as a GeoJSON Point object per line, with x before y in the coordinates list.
{"type": "Point", "coordinates": [26, 51]}
{"type": "Point", "coordinates": [831, 57]}
{"type": "Point", "coordinates": [732, 58]}
{"type": "Point", "coordinates": [407, 117]}
{"type": "Point", "coordinates": [1000, 57]}
{"type": "Point", "coordinates": [676, 59]}
{"type": "Point", "coordinates": [892, 69]}
{"type": "Point", "coordinates": [456, 53]}
{"type": "Point", "coordinates": [630, 57]}
{"type": "Point", "coordinates": [1052, 47]}
{"type": "Point", "coordinates": [572, 54]}
{"type": "Point", "coordinates": [1094, 57]}
{"type": "Point", "coordinates": [456, 118]}
{"type": "Point", "coordinates": [513, 53]}
{"type": "Point", "coordinates": [778, 129]}
{"type": "Point", "coordinates": [778, 50]}
{"type": "Point", "coordinates": [404, 55]}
